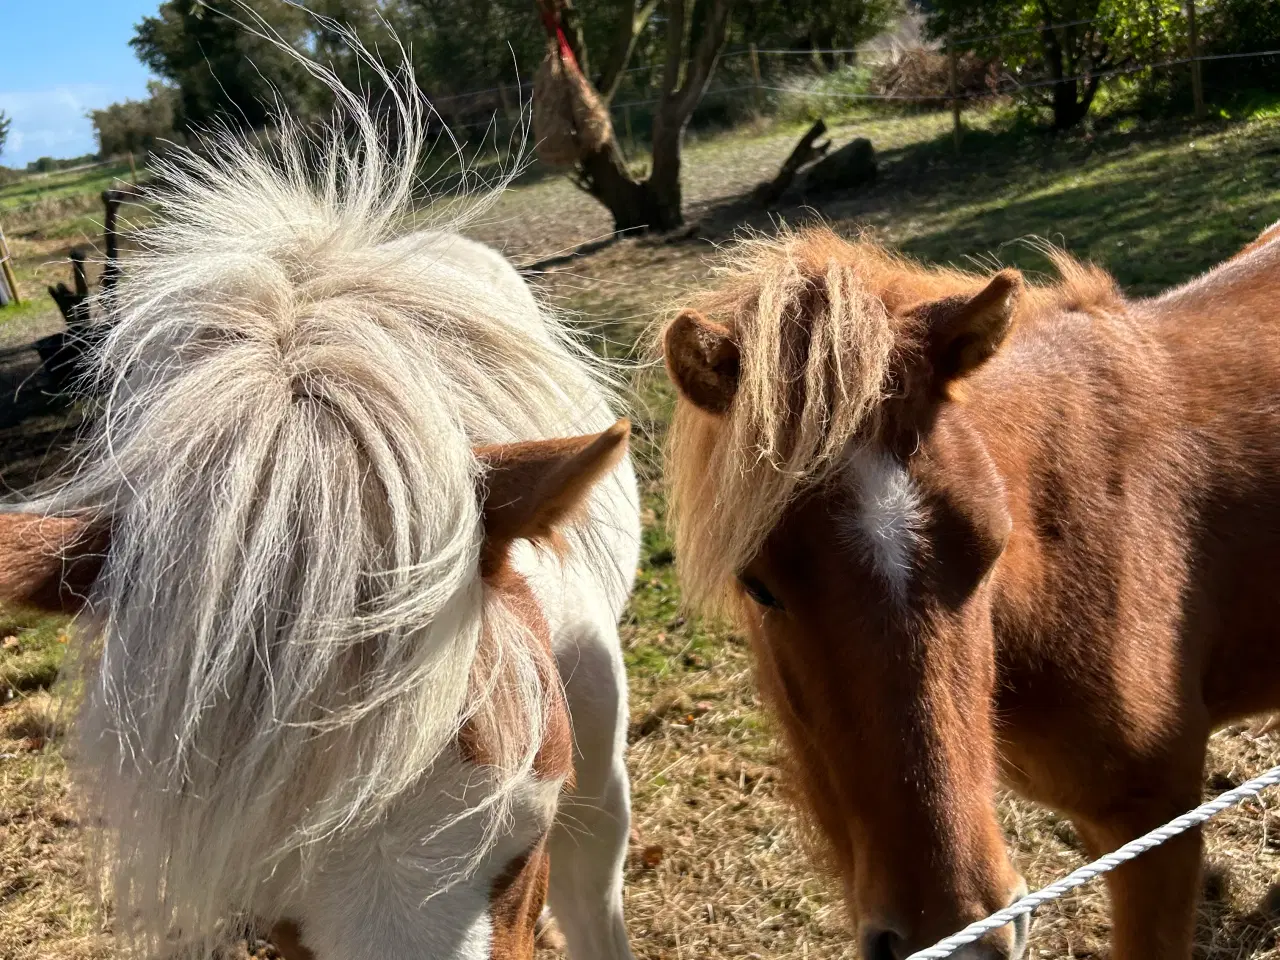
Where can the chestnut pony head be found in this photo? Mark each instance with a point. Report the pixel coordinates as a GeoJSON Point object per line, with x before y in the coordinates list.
{"type": "Point", "coordinates": [830, 494]}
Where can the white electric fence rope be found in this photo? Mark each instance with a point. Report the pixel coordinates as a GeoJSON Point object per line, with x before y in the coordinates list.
{"type": "Point", "coordinates": [946, 947]}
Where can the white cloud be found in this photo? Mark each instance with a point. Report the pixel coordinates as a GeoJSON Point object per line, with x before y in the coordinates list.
{"type": "Point", "coordinates": [51, 122]}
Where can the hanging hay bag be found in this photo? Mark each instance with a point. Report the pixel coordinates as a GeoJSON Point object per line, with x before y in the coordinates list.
{"type": "Point", "coordinates": [569, 121]}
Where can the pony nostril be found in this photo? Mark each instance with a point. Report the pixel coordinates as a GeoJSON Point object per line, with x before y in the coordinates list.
{"type": "Point", "coordinates": [883, 945]}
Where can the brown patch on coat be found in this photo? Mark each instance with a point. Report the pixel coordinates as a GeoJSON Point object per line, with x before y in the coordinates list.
{"type": "Point", "coordinates": [554, 759]}
{"type": "Point", "coordinates": [287, 939]}
{"type": "Point", "coordinates": [49, 563]}
{"type": "Point", "coordinates": [515, 904]}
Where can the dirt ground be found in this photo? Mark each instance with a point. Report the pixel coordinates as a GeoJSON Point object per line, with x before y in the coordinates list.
{"type": "Point", "coordinates": [719, 866]}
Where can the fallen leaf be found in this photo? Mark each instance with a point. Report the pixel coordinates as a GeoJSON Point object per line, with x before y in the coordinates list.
{"type": "Point", "coordinates": [651, 856]}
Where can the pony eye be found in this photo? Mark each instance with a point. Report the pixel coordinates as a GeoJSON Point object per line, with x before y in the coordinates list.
{"type": "Point", "coordinates": [758, 592]}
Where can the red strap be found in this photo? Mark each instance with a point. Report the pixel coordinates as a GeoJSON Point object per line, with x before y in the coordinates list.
{"type": "Point", "coordinates": [551, 20]}
{"type": "Point", "coordinates": [566, 51]}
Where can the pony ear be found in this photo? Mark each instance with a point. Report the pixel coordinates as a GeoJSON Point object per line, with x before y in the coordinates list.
{"type": "Point", "coordinates": [532, 488]}
{"type": "Point", "coordinates": [965, 334]}
{"type": "Point", "coordinates": [702, 361]}
{"type": "Point", "coordinates": [49, 563]}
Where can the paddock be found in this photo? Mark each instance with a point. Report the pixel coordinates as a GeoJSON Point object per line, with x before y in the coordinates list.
{"type": "Point", "coordinates": [719, 866]}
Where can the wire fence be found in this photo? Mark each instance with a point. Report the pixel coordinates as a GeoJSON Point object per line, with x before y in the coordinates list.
{"type": "Point", "coordinates": [760, 80]}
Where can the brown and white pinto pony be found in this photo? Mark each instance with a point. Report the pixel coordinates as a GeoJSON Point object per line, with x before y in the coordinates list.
{"type": "Point", "coordinates": [984, 531]}
{"type": "Point", "coordinates": [349, 542]}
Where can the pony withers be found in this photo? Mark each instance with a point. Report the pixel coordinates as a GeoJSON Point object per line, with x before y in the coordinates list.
{"type": "Point", "coordinates": [349, 543]}
{"type": "Point", "coordinates": [981, 530]}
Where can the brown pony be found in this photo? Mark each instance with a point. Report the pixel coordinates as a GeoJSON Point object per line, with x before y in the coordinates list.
{"type": "Point", "coordinates": [981, 530]}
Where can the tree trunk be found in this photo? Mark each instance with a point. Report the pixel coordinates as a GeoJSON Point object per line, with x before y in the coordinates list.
{"type": "Point", "coordinates": [636, 205]}
{"type": "Point", "coordinates": [664, 181]}
{"type": "Point", "coordinates": [1069, 107]}
{"type": "Point", "coordinates": [1066, 108]}
{"type": "Point", "coordinates": [655, 204]}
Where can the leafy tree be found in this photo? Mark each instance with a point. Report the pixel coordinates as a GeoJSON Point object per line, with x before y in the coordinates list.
{"type": "Point", "coordinates": [1074, 42]}
{"type": "Point", "coordinates": [5, 124]}
{"type": "Point", "coordinates": [136, 126]}
{"type": "Point", "coordinates": [816, 24]}
{"type": "Point", "coordinates": [222, 70]}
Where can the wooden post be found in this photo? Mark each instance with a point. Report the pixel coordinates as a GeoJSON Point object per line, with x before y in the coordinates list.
{"type": "Point", "coordinates": [755, 74]}
{"type": "Point", "coordinates": [6, 262]}
{"type": "Point", "coordinates": [133, 171]}
{"type": "Point", "coordinates": [953, 58]}
{"type": "Point", "coordinates": [1197, 86]}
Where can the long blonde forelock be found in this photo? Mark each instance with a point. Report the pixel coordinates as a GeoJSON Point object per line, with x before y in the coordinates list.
{"type": "Point", "coordinates": [815, 346]}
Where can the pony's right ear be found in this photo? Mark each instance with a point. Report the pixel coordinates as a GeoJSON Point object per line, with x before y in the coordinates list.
{"type": "Point", "coordinates": [533, 487]}
{"type": "Point", "coordinates": [966, 333]}
{"type": "Point", "coordinates": [702, 360]}
{"type": "Point", "coordinates": [49, 563]}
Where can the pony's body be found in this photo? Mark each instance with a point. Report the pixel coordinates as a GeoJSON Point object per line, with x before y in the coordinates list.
{"type": "Point", "coordinates": [331, 684]}
{"type": "Point", "coordinates": [1042, 554]}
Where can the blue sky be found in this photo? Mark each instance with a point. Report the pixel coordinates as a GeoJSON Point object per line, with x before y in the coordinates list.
{"type": "Point", "coordinates": [59, 59]}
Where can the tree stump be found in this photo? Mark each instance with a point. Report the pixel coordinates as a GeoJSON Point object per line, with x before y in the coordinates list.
{"type": "Point", "coordinates": [852, 165]}
{"type": "Point", "coordinates": [771, 191]}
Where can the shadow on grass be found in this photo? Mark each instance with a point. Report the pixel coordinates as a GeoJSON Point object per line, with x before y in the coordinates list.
{"type": "Point", "coordinates": [1223, 932]}
{"type": "Point", "coordinates": [37, 425]}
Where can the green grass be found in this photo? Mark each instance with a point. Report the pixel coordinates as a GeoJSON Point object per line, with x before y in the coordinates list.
{"type": "Point", "coordinates": [1155, 204]}
{"type": "Point", "coordinates": [31, 650]}
{"type": "Point", "coordinates": [27, 191]}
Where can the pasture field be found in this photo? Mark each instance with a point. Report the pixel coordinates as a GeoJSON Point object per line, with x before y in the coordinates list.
{"type": "Point", "coordinates": [719, 866]}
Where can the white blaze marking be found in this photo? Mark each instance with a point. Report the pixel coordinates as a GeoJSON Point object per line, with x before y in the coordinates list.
{"type": "Point", "coordinates": [887, 518]}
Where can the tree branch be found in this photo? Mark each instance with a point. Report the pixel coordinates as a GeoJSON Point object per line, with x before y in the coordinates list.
{"type": "Point", "coordinates": [572, 25]}
{"type": "Point", "coordinates": [630, 24]}
{"type": "Point", "coordinates": [675, 47]}
{"type": "Point", "coordinates": [704, 59]}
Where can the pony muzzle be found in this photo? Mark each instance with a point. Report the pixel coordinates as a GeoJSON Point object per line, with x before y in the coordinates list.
{"type": "Point", "coordinates": [882, 942]}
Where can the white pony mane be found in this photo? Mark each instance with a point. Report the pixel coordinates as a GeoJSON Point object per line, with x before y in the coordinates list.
{"type": "Point", "coordinates": [289, 622]}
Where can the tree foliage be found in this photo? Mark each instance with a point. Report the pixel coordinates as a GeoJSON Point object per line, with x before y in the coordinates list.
{"type": "Point", "coordinates": [5, 124]}
{"type": "Point", "coordinates": [815, 24]}
{"type": "Point", "coordinates": [223, 69]}
{"type": "Point", "coordinates": [136, 126]}
{"type": "Point", "coordinates": [1060, 50]}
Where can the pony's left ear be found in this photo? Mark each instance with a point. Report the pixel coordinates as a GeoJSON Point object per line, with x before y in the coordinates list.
{"type": "Point", "coordinates": [966, 333]}
{"type": "Point", "coordinates": [531, 488]}
{"type": "Point", "coordinates": [702, 360]}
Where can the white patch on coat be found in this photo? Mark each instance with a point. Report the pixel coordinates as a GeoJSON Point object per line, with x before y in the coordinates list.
{"type": "Point", "coordinates": [395, 891]}
{"type": "Point", "coordinates": [887, 517]}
